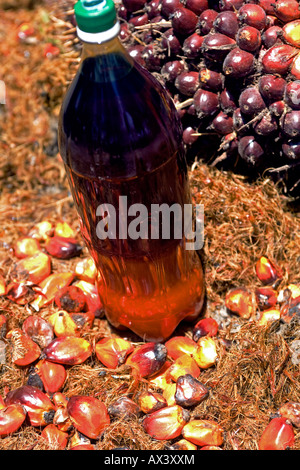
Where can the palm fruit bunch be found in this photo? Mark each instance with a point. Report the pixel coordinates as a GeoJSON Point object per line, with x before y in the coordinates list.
{"type": "Point", "coordinates": [232, 68]}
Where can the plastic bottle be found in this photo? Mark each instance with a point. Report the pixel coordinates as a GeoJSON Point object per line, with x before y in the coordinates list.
{"type": "Point", "coordinates": [121, 141]}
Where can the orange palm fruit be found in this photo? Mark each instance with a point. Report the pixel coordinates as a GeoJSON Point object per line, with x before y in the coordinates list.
{"type": "Point", "coordinates": [267, 316]}
{"type": "Point", "coordinates": [68, 350]}
{"type": "Point", "coordinates": [166, 423]}
{"type": "Point", "coordinates": [161, 379]}
{"type": "Point", "coordinates": [59, 400]}
{"type": "Point", "coordinates": [24, 350]}
{"type": "Point", "coordinates": [3, 326]}
{"type": "Point", "coordinates": [266, 297]}
{"type": "Point", "coordinates": [88, 415]}
{"type": "Point", "coordinates": [151, 401]}
{"type": "Point", "coordinates": [79, 442]}
{"type": "Point", "coordinates": [49, 288]}
{"type": "Point", "coordinates": [148, 358]}
{"type": "Point", "coordinates": [211, 448]}
{"type": "Point", "coordinates": [27, 246]}
{"type": "Point", "coordinates": [86, 270]}
{"type": "Point", "coordinates": [205, 327]}
{"type": "Point", "coordinates": [240, 302]}
{"type": "Point", "coordinates": [190, 391]}
{"type": "Point", "coordinates": [83, 447]}
{"type": "Point", "coordinates": [63, 324]}
{"type": "Point", "coordinates": [20, 293]}
{"type": "Point", "coordinates": [169, 394]}
{"type": "Point", "coordinates": [62, 420]}
{"type": "Point", "coordinates": [291, 32]}
{"type": "Point", "coordinates": [278, 435]}
{"type": "Point", "coordinates": [63, 229]}
{"type": "Point", "coordinates": [40, 409]}
{"type": "Point", "coordinates": [71, 299]}
{"type": "Point", "coordinates": [183, 444]}
{"type": "Point", "coordinates": [34, 268]}
{"type": "Point", "coordinates": [267, 272]}
{"type": "Point", "coordinates": [179, 345]}
{"type": "Point", "coordinates": [291, 412]}
{"type": "Point", "coordinates": [182, 366]}
{"type": "Point", "coordinates": [2, 403]}
{"type": "Point", "coordinates": [206, 354]}
{"type": "Point", "coordinates": [63, 248]}
{"type": "Point", "coordinates": [123, 407]}
{"type": "Point", "coordinates": [83, 320]}
{"type": "Point", "coordinates": [295, 70]}
{"type": "Point", "coordinates": [55, 438]}
{"type": "Point", "coordinates": [2, 286]}
{"type": "Point", "coordinates": [39, 330]}
{"type": "Point", "coordinates": [41, 231]}
{"type": "Point", "coordinates": [203, 432]}
{"type": "Point", "coordinates": [112, 352]}
{"type": "Point", "coordinates": [11, 419]}
{"type": "Point", "coordinates": [52, 375]}
{"type": "Point", "coordinates": [94, 303]}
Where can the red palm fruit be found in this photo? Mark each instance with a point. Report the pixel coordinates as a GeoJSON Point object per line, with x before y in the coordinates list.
{"type": "Point", "coordinates": [189, 135]}
{"type": "Point", "coordinates": [112, 352]}
{"type": "Point", "coordinates": [166, 423]}
{"type": "Point", "coordinates": [52, 375]}
{"type": "Point", "coordinates": [86, 270]}
{"type": "Point", "coordinates": [290, 124]}
{"type": "Point", "coordinates": [139, 20]}
{"type": "Point", "coordinates": [269, 315]}
{"type": "Point", "coordinates": [189, 391]}
{"type": "Point", "coordinates": [41, 231]}
{"type": "Point", "coordinates": [266, 125]}
{"type": "Point", "coordinates": [182, 444]}
{"type": "Point", "coordinates": [170, 42]}
{"type": "Point", "coordinates": [266, 297]}
{"type": "Point", "coordinates": [70, 298]}
{"type": "Point", "coordinates": [49, 287]}
{"type": "Point", "coordinates": [248, 38]}
{"type": "Point", "coordinates": [19, 293]}
{"type": "Point", "coordinates": [291, 149]}
{"type": "Point", "coordinates": [230, 4]}
{"type": "Point", "coordinates": [226, 23]}
{"type": "Point", "coordinates": [211, 448]}
{"type": "Point", "coordinates": [63, 248]}
{"type": "Point", "coordinates": [55, 438]}
{"type": "Point", "coordinates": [206, 354]}
{"type": "Point", "coordinates": [215, 46]}
{"type": "Point", "coordinates": [267, 5]}
{"type": "Point", "coordinates": [78, 440]}
{"type": "Point", "coordinates": [39, 330]}
{"type": "Point", "coordinates": [205, 327]}
{"type": "Point", "coordinates": [63, 324]}
{"type": "Point", "coordinates": [183, 365]}
{"type": "Point", "coordinates": [278, 59]}
{"type": "Point", "coordinates": [148, 358]}
{"type": "Point", "coordinates": [151, 401]}
{"type": "Point", "coordinates": [206, 103]}
{"type": "Point", "coordinates": [88, 415]}
{"type": "Point", "coordinates": [27, 246]}
{"type": "Point", "coordinates": [33, 268]}
{"type": "Point", "coordinates": [171, 70]}
{"type": "Point", "coordinates": [211, 80]}
{"type": "Point", "coordinates": [253, 15]}
{"type": "Point", "coordinates": [227, 101]}
{"type": "Point", "coordinates": [278, 435]}
{"type": "Point", "coordinates": [291, 412]}
{"type": "Point", "coordinates": [187, 83]}
{"type": "Point", "coordinates": [238, 63]}
{"type": "Point", "coordinates": [203, 432]}
{"type": "Point", "coordinates": [124, 407]}
{"type": "Point", "coordinates": [40, 409]}
{"type": "Point", "coordinates": [222, 124]}
{"type": "Point", "coordinates": [11, 419]}
{"type": "Point", "coordinates": [271, 36]}
{"type": "Point", "coordinates": [197, 6]}
{"type": "Point", "coordinates": [292, 94]}
{"type": "Point", "coordinates": [287, 10]}
{"type": "Point", "coordinates": [152, 8]}
{"type": "Point", "coordinates": [59, 400]}
{"type": "Point", "coordinates": [68, 350]}
{"type": "Point", "coordinates": [239, 301]}
{"type": "Point", "coordinates": [251, 101]}
{"type": "Point", "coordinates": [272, 87]}
{"type": "Point", "coordinates": [291, 33]}
{"type": "Point", "coordinates": [206, 20]}
{"type": "Point", "coordinates": [179, 345]}
{"type": "Point", "coordinates": [94, 304]}
{"type": "Point", "coordinates": [267, 272]}
{"type": "Point", "coordinates": [83, 447]}
{"type": "Point", "coordinates": [3, 326]}
{"type": "Point", "coordinates": [24, 350]}
{"type": "Point", "coordinates": [192, 45]}
{"type": "Point", "coordinates": [184, 21]}
{"type": "Point", "coordinates": [134, 5]}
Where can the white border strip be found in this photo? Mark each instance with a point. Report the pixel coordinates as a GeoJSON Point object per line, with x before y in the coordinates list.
{"type": "Point", "coordinates": [99, 37]}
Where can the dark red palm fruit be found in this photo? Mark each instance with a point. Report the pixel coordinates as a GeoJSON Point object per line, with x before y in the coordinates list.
{"type": "Point", "coordinates": [271, 36]}
{"type": "Point", "coordinates": [295, 69]}
{"type": "Point", "coordinates": [170, 42]}
{"type": "Point", "coordinates": [292, 94]}
{"type": "Point", "coordinates": [192, 46]}
{"type": "Point", "coordinates": [124, 32]}
{"type": "Point", "coordinates": [187, 83]}
{"type": "Point", "coordinates": [122, 12]}
{"type": "Point", "coordinates": [267, 5]}
{"type": "Point", "coordinates": [248, 38]}
{"type": "Point", "coordinates": [226, 23]}
{"type": "Point", "coordinates": [153, 8]}
{"type": "Point", "coordinates": [123, 408]}
{"type": "Point", "coordinates": [238, 63]}
{"type": "Point", "coordinates": [227, 101]}
{"type": "Point", "coordinates": [189, 391]}
{"type": "Point", "coordinates": [152, 58]}
{"type": "Point", "coordinates": [189, 135]}
{"type": "Point", "coordinates": [250, 150]}
{"type": "Point", "coordinates": [211, 80]}
{"type": "Point", "coordinates": [168, 7]}
{"type": "Point", "coordinates": [215, 46]}
{"type": "Point", "coordinates": [171, 70]}
{"type": "Point", "coordinates": [233, 5]}
{"type": "Point", "coordinates": [253, 15]}
{"type": "Point", "coordinates": [134, 5]}
{"type": "Point", "coordinates": [277, 108]}
{"type": "Point", "coordinates": [290, 124]}
{"type": "Point", "coordinates": [138, 20]}
{"type": "Point", "coordinates": [39, 330]}
{"type": "Point", "coordinates": [287, 10]}
{"type": "Point", "coordinates": [291, 412]}
{"type": "Point", "coordinates": [63, 248]}
{"type": "Point", "coordinates": [272, 87]}
{"type": "Point", "coordinates": [222, 123]}
{"type": "Point", "coordinates": [266, 297]}
{"type": "Point", "coordinates": [291, 149]}
{"type": "Point", "coordinates": [278, 59]}
{"type": "Point", "coordinates": [11, 419]}
{"type": "Point", "coordinates": [205, 327]}
{"type": "Point", "coordinates": [278, 435]}
{"type": "Point", "coordinates": [136, 52]}
{"type": "Point", "coordinates": [206, 103]}
{"type": "Point", "coordinates": [88, 415]}
{"type": "Point", "coordinates": [166, 423]}
{"type": "Point", "coordinates": [70, 299]}
{"type": "Point", "coordinates": [184, 22]}
{"type": "Point", "coordinates": [148, 358]}
{"type": "Point", "coordinates": [240, 122]}
{"type": "Point", "coordinates": [40, 409]}
{"type": "Point", "coordinates": [197, 6]}
{"type": "Point", "coordinates": [266, 125]}
{"type": "Point", "coordinates": [206, 20]}
{"type": "Point", "coordinates": [267, 271]}
{"type": "Point", "coordinates": [251, 101]}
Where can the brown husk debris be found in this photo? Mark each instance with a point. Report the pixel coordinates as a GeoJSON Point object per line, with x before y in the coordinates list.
{"type": "Point", "coordinates": [257, 370]}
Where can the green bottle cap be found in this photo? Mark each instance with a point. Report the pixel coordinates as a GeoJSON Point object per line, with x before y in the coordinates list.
{"type": "Point", "coordinates": [95, 16]}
